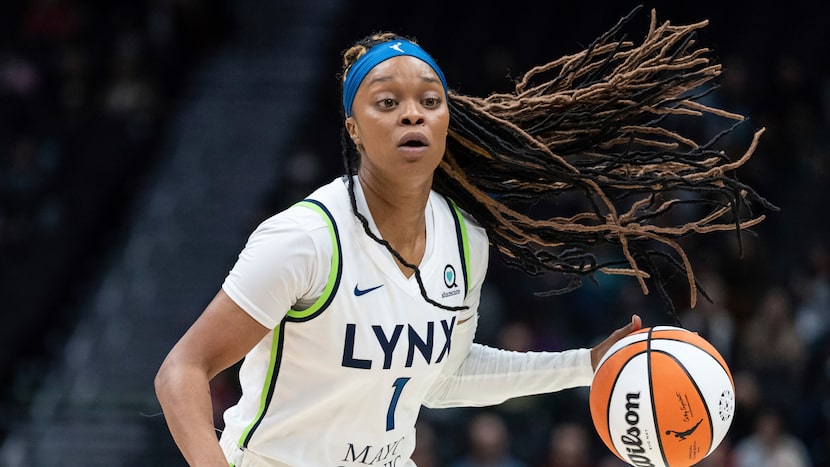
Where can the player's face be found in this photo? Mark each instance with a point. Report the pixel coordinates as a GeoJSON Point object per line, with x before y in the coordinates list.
{"type": "Point", "coordinates": [399, 119]}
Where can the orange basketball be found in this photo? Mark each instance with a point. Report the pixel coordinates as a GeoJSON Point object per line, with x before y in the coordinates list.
{"type": "Point", "coordinates": [662, 397]}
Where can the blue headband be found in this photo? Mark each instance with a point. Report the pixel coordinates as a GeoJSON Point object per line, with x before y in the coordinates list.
{"type": "Point", "coordinates": [376, 55]}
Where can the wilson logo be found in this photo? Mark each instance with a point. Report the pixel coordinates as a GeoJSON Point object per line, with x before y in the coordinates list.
{"type": "Point", "coordinates": [632, 440]}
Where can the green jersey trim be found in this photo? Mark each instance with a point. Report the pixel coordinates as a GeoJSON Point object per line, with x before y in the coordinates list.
{"type": "Point", "coordinates": [463, 242]}
{"type": "Point", "coordinates": [315, 309]}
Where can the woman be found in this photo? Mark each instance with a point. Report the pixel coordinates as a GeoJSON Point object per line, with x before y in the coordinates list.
{"type": "Point", "coordinates": [380, 273]}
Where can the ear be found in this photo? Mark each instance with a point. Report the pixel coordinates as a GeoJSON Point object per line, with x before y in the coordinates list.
{"type": "Point", "coordinates": [354, 133]}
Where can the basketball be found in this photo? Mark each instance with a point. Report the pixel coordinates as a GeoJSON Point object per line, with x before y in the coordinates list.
{"type": "Point", "coordinates": [662, 397]}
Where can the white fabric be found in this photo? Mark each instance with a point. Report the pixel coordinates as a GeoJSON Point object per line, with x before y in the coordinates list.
{"type": "Point", "coordinates": [284, 264]}
{"type": "Point", "coordinates": [344, 387]}
{"type": "Point", "coordinates": [477, 375]}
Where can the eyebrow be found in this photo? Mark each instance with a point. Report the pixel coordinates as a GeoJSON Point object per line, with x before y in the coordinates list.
{"type": "Point", "coordinates": [383, 78]}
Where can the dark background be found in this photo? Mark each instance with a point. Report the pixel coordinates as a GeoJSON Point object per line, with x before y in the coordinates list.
{"type": "Point", "coordinates": [88, 91]}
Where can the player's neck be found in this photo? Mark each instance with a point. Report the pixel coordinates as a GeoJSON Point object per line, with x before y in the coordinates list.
{"type": "Point", "coordinates": [399, 214]}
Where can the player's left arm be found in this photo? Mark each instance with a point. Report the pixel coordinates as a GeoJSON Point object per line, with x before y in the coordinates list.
{"type": "Point", "coordinates": [478, 375]}
{"type": "Point", "coordinates": [489, 376]}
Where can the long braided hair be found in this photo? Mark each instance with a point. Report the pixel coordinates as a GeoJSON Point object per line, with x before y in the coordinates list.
{"type": "Point", "coordinates": [598, 126]}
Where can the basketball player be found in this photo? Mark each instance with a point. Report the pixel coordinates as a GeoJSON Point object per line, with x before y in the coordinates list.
{"type": "Point", "coordinates": [358, 305]}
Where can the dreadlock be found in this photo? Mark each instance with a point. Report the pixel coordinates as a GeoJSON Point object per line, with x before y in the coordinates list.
{"type": "Point", "coordinates": [596, 126]}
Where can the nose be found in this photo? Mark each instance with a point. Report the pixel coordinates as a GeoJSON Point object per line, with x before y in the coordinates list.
{"type": "Point", "coordinates": [411, 114]}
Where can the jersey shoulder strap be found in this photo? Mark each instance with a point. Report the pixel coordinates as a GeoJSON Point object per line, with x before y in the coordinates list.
{"type": "Point", "coordinates": [335, 272]}
{"type": "Point", "coordinates": [463, 241]}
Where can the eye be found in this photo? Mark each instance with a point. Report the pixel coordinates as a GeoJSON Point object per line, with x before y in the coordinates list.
{"type": "Point", "coordinates": [432, 102]}
{"type": "Point", "coordinates": [387, 103]}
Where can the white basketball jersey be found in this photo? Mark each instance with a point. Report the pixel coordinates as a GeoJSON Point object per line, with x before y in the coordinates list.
{"type": "Point", "coordinates": [341, 382]}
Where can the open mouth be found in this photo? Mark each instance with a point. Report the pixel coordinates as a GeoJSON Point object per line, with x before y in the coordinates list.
{"type": "Point", "coordinates": [413, 140]}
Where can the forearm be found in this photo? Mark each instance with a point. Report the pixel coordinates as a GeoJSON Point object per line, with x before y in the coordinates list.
{"type": "Point", "coordinates": [491, 376]}
{"type": "Point", "coordinates": [476, 375]}
{"type": "Point", "coordinates": [184, 394]}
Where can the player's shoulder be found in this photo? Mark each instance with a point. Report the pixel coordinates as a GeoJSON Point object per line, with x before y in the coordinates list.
{"type": "Point", "coordinates": [298, 217]}
{"type": "Point", "coordinates": [476, 233]}
{"type": "Point", "coordinates": [312, 215]}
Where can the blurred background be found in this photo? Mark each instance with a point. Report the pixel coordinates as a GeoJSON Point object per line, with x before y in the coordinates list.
{"type": "Point", "coordinates": [142, 141]}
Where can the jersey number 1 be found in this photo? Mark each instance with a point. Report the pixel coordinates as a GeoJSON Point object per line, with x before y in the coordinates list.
{"type": "Point", "coordinates": [390, 414]}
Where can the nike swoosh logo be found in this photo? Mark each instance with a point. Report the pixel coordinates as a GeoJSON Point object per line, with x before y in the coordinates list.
{"type": "Point", "coordinates": [358, 292]}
